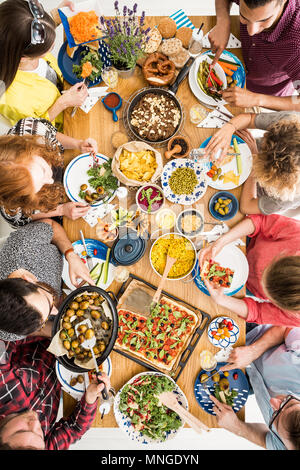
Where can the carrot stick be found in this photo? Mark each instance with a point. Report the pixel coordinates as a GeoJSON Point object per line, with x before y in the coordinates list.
{"type": "Point", "coordinates": [227, 70]}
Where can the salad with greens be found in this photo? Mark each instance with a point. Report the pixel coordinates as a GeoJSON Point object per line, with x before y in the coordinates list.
{"type": "Point", "coordinates": [139, 401]}
{"type": "Point", "coordinates": [102, 183]}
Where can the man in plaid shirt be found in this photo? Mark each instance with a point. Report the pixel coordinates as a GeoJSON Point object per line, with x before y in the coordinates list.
{"type": "Point", "coordinates": [30, 395]}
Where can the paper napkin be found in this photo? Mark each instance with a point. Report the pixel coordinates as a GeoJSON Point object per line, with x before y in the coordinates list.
{"type": "Point", "coordinates": [181, 19]}
{"type": "Point", "coordinates": [93, 96]}
{"type": "Point", "coordinates": [214, 120]}
{"type": "Point", "coordinates": [233, 42]}
{"type": "Point", "coordinates": [97, 212]}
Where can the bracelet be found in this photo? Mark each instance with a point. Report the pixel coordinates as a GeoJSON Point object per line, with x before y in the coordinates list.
{"type": "Point", "coordinates": [70, 250]}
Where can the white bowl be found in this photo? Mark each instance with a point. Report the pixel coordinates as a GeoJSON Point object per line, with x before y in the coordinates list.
{"type": "Point", "coordinates": [178, 235]}
{"type": "Point", "coordinates": [194, 234]}
{"type": "Point", "coordinates": [141, 189]}
{"type": "Point", "coordinates": [220, 72]}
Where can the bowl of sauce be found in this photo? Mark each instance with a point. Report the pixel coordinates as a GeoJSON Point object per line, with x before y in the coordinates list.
{"type": "Point", "coordinates": [150, 198]}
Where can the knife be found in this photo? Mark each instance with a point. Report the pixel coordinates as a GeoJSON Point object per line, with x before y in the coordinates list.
{"type": "Point", "coordinates": [89, 259]}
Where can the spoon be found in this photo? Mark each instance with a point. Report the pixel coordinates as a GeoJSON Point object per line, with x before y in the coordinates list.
{"type": "Point", "coordinates": [169, 263]}
{"type": "Point", "coordinates": [168, 399]}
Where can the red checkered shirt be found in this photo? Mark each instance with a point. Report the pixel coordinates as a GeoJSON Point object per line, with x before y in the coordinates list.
{"type": "Point", "coordinates": [28, 381]}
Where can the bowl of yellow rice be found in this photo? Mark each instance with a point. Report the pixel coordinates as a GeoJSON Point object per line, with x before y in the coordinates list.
{"type": "Point", "coordinates": [177, 246]}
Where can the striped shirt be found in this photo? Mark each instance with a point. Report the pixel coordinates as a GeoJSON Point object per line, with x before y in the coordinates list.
{"type": "Point", "coordinates": [272, 58]}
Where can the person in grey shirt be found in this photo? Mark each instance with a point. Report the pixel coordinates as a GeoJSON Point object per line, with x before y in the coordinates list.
{"type": "Point", "coordinates": [34, 254]}
{"type": "Point", "coordinates": [274, 184]}
{"type": "Point", "coordinates": [272, 360]}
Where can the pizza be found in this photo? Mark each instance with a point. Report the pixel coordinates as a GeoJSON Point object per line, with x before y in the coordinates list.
{"type": "Point", "coordinates": [160, 337]}
{"type": "Point", "coordinates": [216, 274]}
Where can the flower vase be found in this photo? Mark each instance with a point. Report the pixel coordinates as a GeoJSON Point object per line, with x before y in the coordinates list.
{"type": "Point", "coordinates": [124, 72]}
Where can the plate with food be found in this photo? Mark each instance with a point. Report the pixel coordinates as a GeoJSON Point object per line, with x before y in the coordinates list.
{"type": "Point", "coordinates": [83, 62]}
{"type": "Point", "coordinates": [139, 412]}
{"type": "Point", "coordinates": [207, 87]}
{"type": "Point", "coordinates": [234, 169]}
{"type": "Point", "coordinates": [232, 66]}
{"type": "Point", "coordinates": [90, 179]}
{"type": "Point", "coordinates": [183, 181]}
{"type": "Point", "coordinates": [177, 246]}
{"type": "Point", "coordinates": [82, 24]}
{"type": "Point", "coordinates": [75, 384]}
{"type": "Point", "coordinates": [103, 270]}
{"type": "Point", "coordinates": [95, 306]}
{"type": "Point", "coordinates": [230, 388]}
{"type": "Point", "coordinates": [229, 269]}
{"type": "Point", "coordinates": [223, 332]}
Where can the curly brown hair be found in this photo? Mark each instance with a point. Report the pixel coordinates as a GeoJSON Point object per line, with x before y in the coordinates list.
{"type": "Point", "coordinates": [277, 165]}
{"type": "Point", "coordinates": [16, 185]}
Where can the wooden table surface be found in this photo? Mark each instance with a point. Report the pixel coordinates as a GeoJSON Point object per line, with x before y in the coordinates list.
{"type": "Point", "coordinates": [98, 124]}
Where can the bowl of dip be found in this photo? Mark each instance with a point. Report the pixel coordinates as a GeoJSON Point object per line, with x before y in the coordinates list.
{"type": "Point", "coordinates": [150, 198]}
{"type": "Point", "coordinates": [165, 219]}
{"type": "Point", "coordinates": [190, 223]}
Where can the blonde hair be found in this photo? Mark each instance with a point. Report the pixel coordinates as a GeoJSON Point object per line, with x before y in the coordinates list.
{"type": "Point", "coordinates": [277, 165]}
{"type": "Point", "coordinates": [16, 185]}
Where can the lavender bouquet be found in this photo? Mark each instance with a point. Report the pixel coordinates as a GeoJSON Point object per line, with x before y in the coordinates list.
{"type": "Point", "coordinates": [126, 36]}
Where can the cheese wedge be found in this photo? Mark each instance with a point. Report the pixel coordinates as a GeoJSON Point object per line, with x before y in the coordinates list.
{"type": "Point", "coordinates": [231, 177]}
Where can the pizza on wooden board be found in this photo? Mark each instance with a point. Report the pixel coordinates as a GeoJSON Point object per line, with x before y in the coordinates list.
{"type": "Point", "coordinates": [160, 337]}
{"type": "Point", "coordinates": [216, 274]}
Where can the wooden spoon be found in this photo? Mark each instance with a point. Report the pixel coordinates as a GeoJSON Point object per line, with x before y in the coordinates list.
{"type": "Point", "coordinates": [169, 263]}
{"type": "Point", "coordinates": [175, 149]}
{"type": "Point", "coordinates": [168, 399]}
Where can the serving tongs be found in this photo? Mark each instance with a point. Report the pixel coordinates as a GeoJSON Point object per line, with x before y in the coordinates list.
{"type": "Point", "coordinates": [169, 400]}
{"type": "Point", "coordinates": [89, 344]}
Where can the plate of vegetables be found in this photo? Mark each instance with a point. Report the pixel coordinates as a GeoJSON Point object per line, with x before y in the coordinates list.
{"type": "Point", "coordinates": [87, 63]}
{"type": "Point", "coordinates": [232, 66]}
{"type": "Point", "coordinates": [234, 169]}
{"type": "Point", "coordinates": [207, 87]}
{"type": "Point", "coordinates": [139, 412]}
{"type": "Point", "coordinates": [89, 179]}
{"type": "Point", "coordinates": [103, 270]}
{"type": "Point", "coordinates": [229, 387]}
{"type": "Point", "coordinates": [183, 181]}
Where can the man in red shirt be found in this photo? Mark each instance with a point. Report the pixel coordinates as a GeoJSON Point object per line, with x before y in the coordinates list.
{"type": "Point", "coordinates": [29, 399]}
{"type": "Point", "coordinates": [270, 36]}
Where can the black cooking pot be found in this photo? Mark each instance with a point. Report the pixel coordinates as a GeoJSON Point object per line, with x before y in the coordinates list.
{"type": "Point", "coordinates": [112, 302]}
{"type": "Point", "coordinates": [169, 92]}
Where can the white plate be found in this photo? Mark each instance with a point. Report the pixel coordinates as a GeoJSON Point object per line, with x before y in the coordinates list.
{"type": "Point", "coordinates": [76, 174]}
{"type": "Point", "coordinates": [246, 158]}
{"type": "Point", "coordinates": [124, 421]}
{"type": "Point", "coordinates": [196, 90]}
{"type": "Point", "coordinates": [229, 257]}
{"type": "Point", "coordinates": [78, 249]}
{"type": "Point", "coordinates": [65, 375]}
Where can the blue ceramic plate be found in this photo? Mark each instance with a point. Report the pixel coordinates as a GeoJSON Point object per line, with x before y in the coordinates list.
{"type": "Point", "coordinates": [185, 199]}
{"type": "Point", "coordinates": [223, 343]}
{"type": "Point", "coordinates": [241, 385]}
{"type": "Point", "coordinates": [233, 206]}
{"type": "Point", "coordinates": [246, 158]}
{"type": "Point", "coordinates": [230, 257]}
{"type": "Point", "coordinates": [124, 421]}
{"type": "Point", "coordinates": [100, 256]}
{"type": "Point", "coordinates": [65, 62]}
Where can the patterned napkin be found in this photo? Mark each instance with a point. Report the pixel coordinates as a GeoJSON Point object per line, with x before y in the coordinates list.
{"type": "Point", "coordinates": [233, 42]}
{"type": "Point", "coordinates": [93, 96]}
{"type": "Point", "coordinates": [214, 120]}
{"type": "Point", "coordinates": [181, 19]}
{"type": "Point", "coordinates": [97, 212]}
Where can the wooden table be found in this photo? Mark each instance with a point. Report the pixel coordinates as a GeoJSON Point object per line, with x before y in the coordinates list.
{"type": "Point", "coordinates": [98, 124]}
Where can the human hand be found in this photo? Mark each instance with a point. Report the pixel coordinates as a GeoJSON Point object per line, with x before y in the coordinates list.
{"type": "Point", "coordinates": [239, 358]}
{"type": "Point", "coordinates": [220, 140]}
{"type": "Point", "coordinates": [88, 145]}
{"type": "Point", "coordinates": [74, 96]}
{"type": "Point", "coordinates": [218, 38]}
{"type": "Point", "coordinates": [226, 417]}
{"type": "Point", "coordinates": [210, 252]}
{"type": "Point", "coordinates": [74, 210]}
{"type": "Point", "coordinates": [216, 292]}
{"type": "Point", "coordinates": [237, 96]}
{"type": "Point", "coordinates": [249, 139]}
{"type": "Point", "coordinates": [94, 389]}
{"type": "Point", "coordinates": [78, 270]}
{"type": "Point", "coordinates": [67, 3]}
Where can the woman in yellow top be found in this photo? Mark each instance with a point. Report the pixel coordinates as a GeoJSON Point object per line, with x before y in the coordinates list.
{"type": "Point", "coordinates": [30, 77]}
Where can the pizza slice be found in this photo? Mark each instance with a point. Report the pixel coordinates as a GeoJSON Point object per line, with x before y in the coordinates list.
{"type": "Point", "coordinates": [216, 274]}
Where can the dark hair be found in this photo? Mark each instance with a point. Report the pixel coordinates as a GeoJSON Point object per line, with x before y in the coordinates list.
{"type": "Point", "coordinates": [259, 3]}
{"type": "Point", "coordinates": [15, 37]}
{"type": "Point", "coordinates": [282, 282]}
{"type": "Point", "coordinates": [292, 427]}
{"type": "Point", "coordinates": [16, 315]}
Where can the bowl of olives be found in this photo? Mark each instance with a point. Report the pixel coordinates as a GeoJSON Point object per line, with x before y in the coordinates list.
{"type": "Point", "coordinates": [223, 205]}
{"type": "Point", "coordinates": [96, 305]}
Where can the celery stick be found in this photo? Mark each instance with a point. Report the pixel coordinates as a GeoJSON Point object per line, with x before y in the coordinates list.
{"type": "Point", "coordinates": [106, 266]}
{"type": "Point", "coordinates": [238, 157]}
{"type": "Point", "coordinates": [100, 275]}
